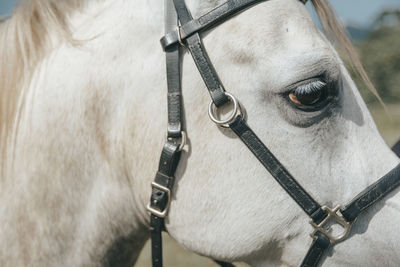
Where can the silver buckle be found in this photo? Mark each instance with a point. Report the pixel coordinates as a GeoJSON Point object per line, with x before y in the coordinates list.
{"type": "Point", "coordinates": [338, 219]}
{"type": "Point", "coordinates": [163, 213]}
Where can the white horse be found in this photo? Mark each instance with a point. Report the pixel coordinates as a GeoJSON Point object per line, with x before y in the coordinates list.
{"type": "Point", "coordinates": [83, 119]}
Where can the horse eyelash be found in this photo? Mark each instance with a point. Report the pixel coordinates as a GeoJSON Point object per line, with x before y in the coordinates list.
{"type": "Point", "coordinates": [310, 87]}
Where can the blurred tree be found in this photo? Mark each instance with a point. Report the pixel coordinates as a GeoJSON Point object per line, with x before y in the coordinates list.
{"type": "Point", "coordinates": [380, 54]}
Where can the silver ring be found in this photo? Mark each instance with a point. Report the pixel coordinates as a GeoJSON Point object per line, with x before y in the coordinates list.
{"type": "Point", "coordinates": [180, 35]}
{"type": "Point", "coordinates": [236, 111]}
{"type": "Point", "coordinates": [183, 140]}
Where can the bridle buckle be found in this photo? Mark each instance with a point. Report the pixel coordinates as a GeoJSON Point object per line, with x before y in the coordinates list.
{"type": "Point", "coordinates": [158, 213]}
{"type": "Point", "coordinates": [337, 218]}
{"type": "Point", "coordinates": [182, 140]}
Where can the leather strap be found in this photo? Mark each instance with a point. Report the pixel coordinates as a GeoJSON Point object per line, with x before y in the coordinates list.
{"type": "Point", "coordinates": [172, 56]}
{"type": "Point", "coordinates": [372, 194]}
{"type": "Point", "coordinates": [396, 148]}
{"type": "Point", "coordinates": [169, 160]}
{"type": "Point", "coordinates": [200, 57]}
{"type": "Point", "coordinates": [224, 264]}
{"type": "Point", "coordinates": [174, 92]}
{"type": "Point", "coordinates": [361, 202]}
{"type": "Point", "coordinates": [207, 21]}
{"type": "Point", "coordinates": [317, 249]}
{"type": "Point", "coordinates": [277, 170]}
{"type": "Point", "coordinates": [156, 229]}
{"type": "Point", "coordinates": [170, 154]}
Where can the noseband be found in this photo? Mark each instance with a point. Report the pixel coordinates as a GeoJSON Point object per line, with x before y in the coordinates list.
{"type": "Point", "coordinates": [182, 31]}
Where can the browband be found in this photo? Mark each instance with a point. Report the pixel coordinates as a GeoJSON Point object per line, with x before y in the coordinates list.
{"type": "Point", "coordinates": [207, 21]}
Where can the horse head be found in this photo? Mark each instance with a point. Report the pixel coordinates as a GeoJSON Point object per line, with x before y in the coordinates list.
{"type": "Point", "coordinates": [83, 128]}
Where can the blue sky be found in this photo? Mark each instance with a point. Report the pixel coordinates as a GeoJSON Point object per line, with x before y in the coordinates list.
{"type": "Point", "coordinates": [360, 12]}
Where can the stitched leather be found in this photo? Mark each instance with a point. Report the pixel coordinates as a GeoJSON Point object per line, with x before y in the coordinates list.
{"type": "Point", "coordinates": [372, 194]}
{"type": "Point", "coordinates": [207, 21]}
{"type": "Point", "coordinates": [277, 170]}
{"type": "Point", "coordinates": [200, 57]}
{"type": "Point", "coordinates": [174, 92]}
{"type": "Point", "coordinates": [169, 160]}
{"type": "Point", "coordinates": [170, 154]}
{"type": "Point", "coordinates": [317, 249]}
{"type": "Point", "coordinates": [156, 240]}
{"type": "Point", "coordinates": [173, 65]}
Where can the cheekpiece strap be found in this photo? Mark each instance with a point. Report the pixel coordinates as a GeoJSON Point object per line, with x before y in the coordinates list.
{"type": "Point", "coordinates": [277, 170]}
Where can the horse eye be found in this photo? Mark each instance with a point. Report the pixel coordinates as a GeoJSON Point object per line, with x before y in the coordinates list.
{"type": "Point", "coordinates": [308, 95]}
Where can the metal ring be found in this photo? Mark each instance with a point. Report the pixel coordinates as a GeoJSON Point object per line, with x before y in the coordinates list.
{"type": "Point", "coordinates": [236, 111]}
{"type": "Point", "coordinates": [183, 140]}
{"type": "Point", "coordinates": [180, 35]}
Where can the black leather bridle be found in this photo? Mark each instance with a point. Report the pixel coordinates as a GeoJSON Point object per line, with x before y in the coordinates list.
{"type": "Point", "coordinates": [182, 31]}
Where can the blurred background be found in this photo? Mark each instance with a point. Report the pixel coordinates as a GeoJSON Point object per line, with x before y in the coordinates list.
{"type": "Point", "coordinates": [374, 28]}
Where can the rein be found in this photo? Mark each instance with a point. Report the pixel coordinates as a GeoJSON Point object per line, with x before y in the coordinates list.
{"type": "Point", "coordinates": [182, 31]}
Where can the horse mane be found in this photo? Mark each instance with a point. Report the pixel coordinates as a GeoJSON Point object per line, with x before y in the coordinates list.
{"type": "Point", "coordinates": [336, 32]}
{"type": "Point", "coordinates": [35, 26]}
{"type": "Point", "coordinates": [24, 39]}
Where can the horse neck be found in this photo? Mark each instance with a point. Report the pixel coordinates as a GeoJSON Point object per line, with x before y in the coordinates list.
{"type": "Point", "coordinates": [106, 187]}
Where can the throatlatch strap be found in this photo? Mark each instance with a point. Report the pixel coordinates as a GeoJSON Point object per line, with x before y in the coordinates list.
{"type": "Point", "coordinates": [157, 225]}
{"type": "Point", "coordinates": [170, 154]}
{"type": "Point", "coordinates": [277, 170]}
{"type": "Point", "coordinates": [160, 198]}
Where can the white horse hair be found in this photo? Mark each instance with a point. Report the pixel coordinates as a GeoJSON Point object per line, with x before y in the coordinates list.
{"type": "Point", "coordinates": [83, 120]}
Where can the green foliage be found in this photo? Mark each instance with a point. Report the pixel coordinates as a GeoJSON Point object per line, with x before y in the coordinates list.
{"type": "Point", "coordinates": [380, 55]}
